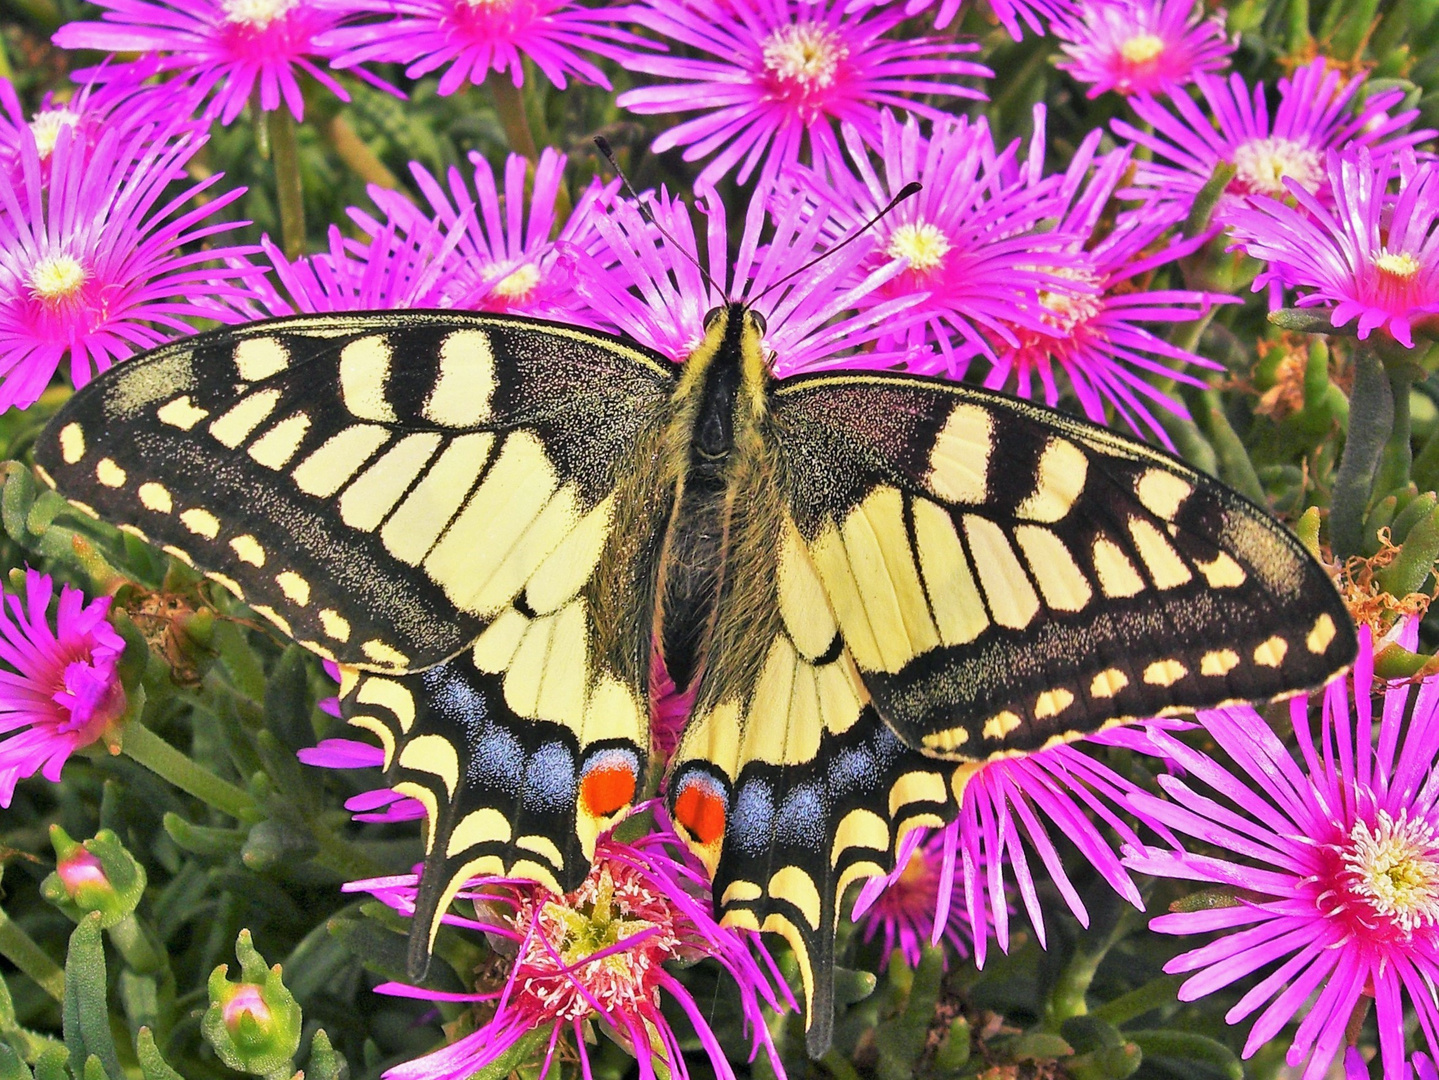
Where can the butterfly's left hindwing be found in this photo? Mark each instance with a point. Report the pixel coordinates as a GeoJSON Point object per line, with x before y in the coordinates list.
{"type": "Point", "coordinates": [1006, 576]}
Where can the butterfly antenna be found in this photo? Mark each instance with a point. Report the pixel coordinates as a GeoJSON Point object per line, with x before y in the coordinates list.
{"type": "Point", "coordinates": [649, 218]}
{"type": "Point", "coordinates": [908, 191]}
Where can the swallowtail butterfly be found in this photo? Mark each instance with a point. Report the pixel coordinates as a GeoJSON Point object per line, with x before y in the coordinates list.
{"type": "Point", "coordinates": [872, 582]}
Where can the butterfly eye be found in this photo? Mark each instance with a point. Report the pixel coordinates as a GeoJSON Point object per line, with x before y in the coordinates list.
{"type": "Point", "coordinates": [710, 316]}
{"type": "Point", "coordinates": [759, 323]}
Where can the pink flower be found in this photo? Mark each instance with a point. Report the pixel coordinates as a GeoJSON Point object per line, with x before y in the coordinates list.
{"type": "Point", "coordinates": [1374, 257]}
{"type": "Point", "coordinates": [232, 47]}
{"type": "Point", "coordinates": [1317, 112]}
{"type": "Point", "coordinates": [100, 260]}
{"type": "Point", "coordinates": [780, 74]}
{"type": "Point", "coordinates": [1330, 858]}
{"type": "Point", "coordinates": [919, 903]}
{"type": "Point", "coordinates": [59, 690]}
{"type": "Point", "coordinates": [1141, 46]}
{"type": "Point", "coordinates": [471, 38]}
{"type": "Point", "coordinates": [599, 953]}
{"type": "Point", "coordinates": [1033, 13]}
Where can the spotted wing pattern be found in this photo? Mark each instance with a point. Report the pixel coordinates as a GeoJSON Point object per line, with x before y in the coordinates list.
{"type": "Point", "coordinates": [1006, 577]}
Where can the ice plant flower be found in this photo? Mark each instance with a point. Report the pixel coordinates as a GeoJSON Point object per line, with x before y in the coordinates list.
{"type": "Point", "coordinates": [596, 955]}
{"type": "Point", "coordinates": [916, 904]}
{"type": "Point", "coordinates": [254, 1024]}
{"type": "Point", "coordinates": [232, 48]}
{"type": "Point", "coordinates": [59, 691]}
{"type": "Point", "coordinates": [1093, 306]}
{"type": "Point", "coordinates": [1035, 14]}
{"type": "Point", "coordinates": [1331, 859]}
{"type": "Point", "coordinates": [1317, 112]}
{"type": "Point", "coordinates": [971, 239]}
{"type": "Point", "coordinates": [1141, 46]}
{"type": "Point", "coordinates": [471, 38]}
{"type": "Point", "coordinates": [776, 76]}
{"type": "Point", "coordinates": [642, 285]}
{"type": "Point", "coordinates": [508, 252]}
{"type": "Point", "coordinates": [102, 259]}
{"type": "Point", "coordinates": [1374, 257]}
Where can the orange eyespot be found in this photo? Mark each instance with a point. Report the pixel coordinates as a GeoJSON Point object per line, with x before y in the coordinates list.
{"type": "Point", "coordinates": [608, 788]}
{"type": "Point", "coordinates": [700, 808]}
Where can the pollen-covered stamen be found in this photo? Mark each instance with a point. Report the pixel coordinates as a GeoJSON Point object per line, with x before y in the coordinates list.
{"type": "Point", "coordinates": [1065, 308]}
{"type": "Point", "coordinates": [519, 283]}
{"type": "Point", "coordinates": [1261, 165]}
{"type": "Point", "coordinates": [46, 127]}
{"type": "Point", "coordinates": [57, 277]}
{"type": "Point", "coordinates": [1396, 264]}
{"type": "Point", "coordinates": [1142, 48]}
{"type": "Point", "coordinates": [1394, 869]}
{"type": "Point", "coordinates": [256, 14]}
{"type": "Point", "coordinates": [803, 57]}
{"type": "Point", "coordinates": [923, 243]}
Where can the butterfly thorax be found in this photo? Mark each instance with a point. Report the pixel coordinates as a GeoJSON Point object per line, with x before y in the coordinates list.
{"type": "Point", "coordinates": [715, 446]}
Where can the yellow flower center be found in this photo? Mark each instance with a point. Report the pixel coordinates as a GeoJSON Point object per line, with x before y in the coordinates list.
{"type": "Point", "coordinates": [1396, 264]}
{"type": "Point", "coordinates": [1064, 309]}
{"type": "Point", "coordinates": [1141, 48]}
{"type": "Point", "coordinates": [57, 277]}
{"type": "Point", "coordinates": [583, 933]}
{"type": "Point", "coordinates": [1262, 164]}
{"type": "Point", "coordinates": [256, 14]}
{"type": "Point", "coordinates": [520, 282]}
{"type": "Point", "coordinates": [1395, 868]}
{"type": "Point", "coordinates": [804, 54]}
{"type": "Point", "coordinates": [922, 243]}
{"type": "Point", "coordinates": [47, 126]}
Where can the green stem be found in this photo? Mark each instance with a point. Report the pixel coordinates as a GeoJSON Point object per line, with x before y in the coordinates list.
{"type": "Point", "coordinates": [510, 107]}
{"type": "Point", "coordinates": [1154, 994]}
{"type": "Point", "coordinates": [20, 949]}
{"type": "Point", "coordinates": [356, 153]}
{"type": "Point", "coordinates": [1068, 998]}
{"type": "Point", "coordinates": [135, 946]}
{"type": "Point", "coordinates": [1371, 419]}
{"type": "Point", "coordinates": [1298, 26]}
{"type": "Point", "coordinates": [1397, 461]}
{"type": "Point", "coordinates": [146, 748]}
{"type": "Point", "coordinates": [284, 140]}
{"type": "Point", "coordinates": [1235, 465]}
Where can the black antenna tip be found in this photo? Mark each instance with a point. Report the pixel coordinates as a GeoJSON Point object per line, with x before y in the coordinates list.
{"type": "Point", "coordinates": [910, 189]}
{"type": "Point", "coordinates": [604, 145]}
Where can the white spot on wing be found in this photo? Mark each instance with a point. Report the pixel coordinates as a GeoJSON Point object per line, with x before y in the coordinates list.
{"type": "Point", "coordinates": [364, 376]}
{"type": "Point", "coordinates": [72, 443]}
{"type": "Point", "coordinates": [465, 382]}
{"type": "Point", "coordinates": [260, 357]}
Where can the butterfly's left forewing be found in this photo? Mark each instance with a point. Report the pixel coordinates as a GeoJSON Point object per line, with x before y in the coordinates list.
{"type": "Point", "coordinates": [460, 509]}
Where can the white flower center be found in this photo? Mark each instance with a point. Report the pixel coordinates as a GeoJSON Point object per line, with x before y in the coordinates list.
{"type": "Point", "coordinates": [1262, 164]}
{"type": "Point", "coordinates": [518, 283]}
{"type": "Point", "coordinates": [1396, 264]}
{"type": "Point", "coordinates": [804, 54]}
{"type": "Point", "coordinates": [1395, 869]}
{"type": "Point", "coordinates": [1141, 48]}
{"type": "Point", "coordinates": [1064, 309]}
{"type": "Point", "coordinates": [47, 126]}
{"type": "Point", "coordinates": [56, 277]}
{"type": "Point", "coordinates": [256, 14]}
{"type": "Point", "coordinates": [921, 242]}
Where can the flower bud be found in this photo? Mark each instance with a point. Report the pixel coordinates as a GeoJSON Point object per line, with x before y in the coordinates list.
{"type": "Point", "coordinates": [254, 1024]}
{"type": "Point", "coordinates": [98, 875]}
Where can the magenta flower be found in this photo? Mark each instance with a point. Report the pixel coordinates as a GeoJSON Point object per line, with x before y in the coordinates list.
{"type": "Point", "coordinates": [1141, 46]}
{"type": "Point", "coordinates": [976, 259]}
{"type": "Point", "coordinates": [59, 691]}
{"type": "Point", "coordinates": [1331, 858]}
{"type": "Point", "coordinates": [918, 904]}
{"type": "Point", "coordinates": [102, 260]}
{"type": "Point", "coordinates": [642, 286]}
{"type": "Point", "coordinates": [508, 251]}
{"type": "Point", "coordinates": [230, 47]}
{"type": "Point", "coordinates": [471, 38]}
{"type": "Point", "coordinates": [1033, 13]}
{"type": "Point", "coordinates": [782, 74]}
{"type": "Point", "coordinates": [1092, 308]}
{"type": "Point", "coordinates": [1374, 257]}
{"type": "Point", "coordinates": [597, 954]}
{"type": "Point", "coordinates": [1317, 112]}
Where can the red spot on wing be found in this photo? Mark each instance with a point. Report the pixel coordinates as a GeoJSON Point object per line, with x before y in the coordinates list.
{"type": "Point", "coordinates": [701, 810]}
{"type": "Point", "coordinates": [608, 788]}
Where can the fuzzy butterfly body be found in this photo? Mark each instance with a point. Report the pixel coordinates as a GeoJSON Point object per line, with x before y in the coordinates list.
{"type": "Point", "coordinates": [870, 583]}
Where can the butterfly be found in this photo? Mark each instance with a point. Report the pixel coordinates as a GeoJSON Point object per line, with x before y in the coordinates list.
{"type": "Point", "coordinates": [870, 583]}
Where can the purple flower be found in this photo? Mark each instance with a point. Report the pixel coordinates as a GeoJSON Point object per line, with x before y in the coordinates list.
{"type": "Point", "coordinates": [969, 238]}
{"type": "Point", "coordinates": [1141, 46]}
{"type": "Point", "coordinates": [58, 691]}
{"type": "Point", "coordinates": [1374, 257]}
{"type": "Point", "coordinates": [782, 73]}
{"type": "Point", "coordinates": [1317, 112]}
{"type": "Point", "coordinates": [507, 252]}
{"type": "Point", "coordinates": [596, 954]}
{"type": "Point", "coordinates": [475, 37]}
{"type": "Point", "coordinates": [1033, 13]}
{"type": "Point", "coordinates": [1092, 307]}
{"type": "Point", "coordinates": [644, 286]}
{"type": "Point", "coordinates": [1331, 860]}
{"type": "Point", "coordinates": [919, 902]}
{"type": "Point", "coordinates": [233, 47]}
{"type": "Point", "coordinates": [94, 262]}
